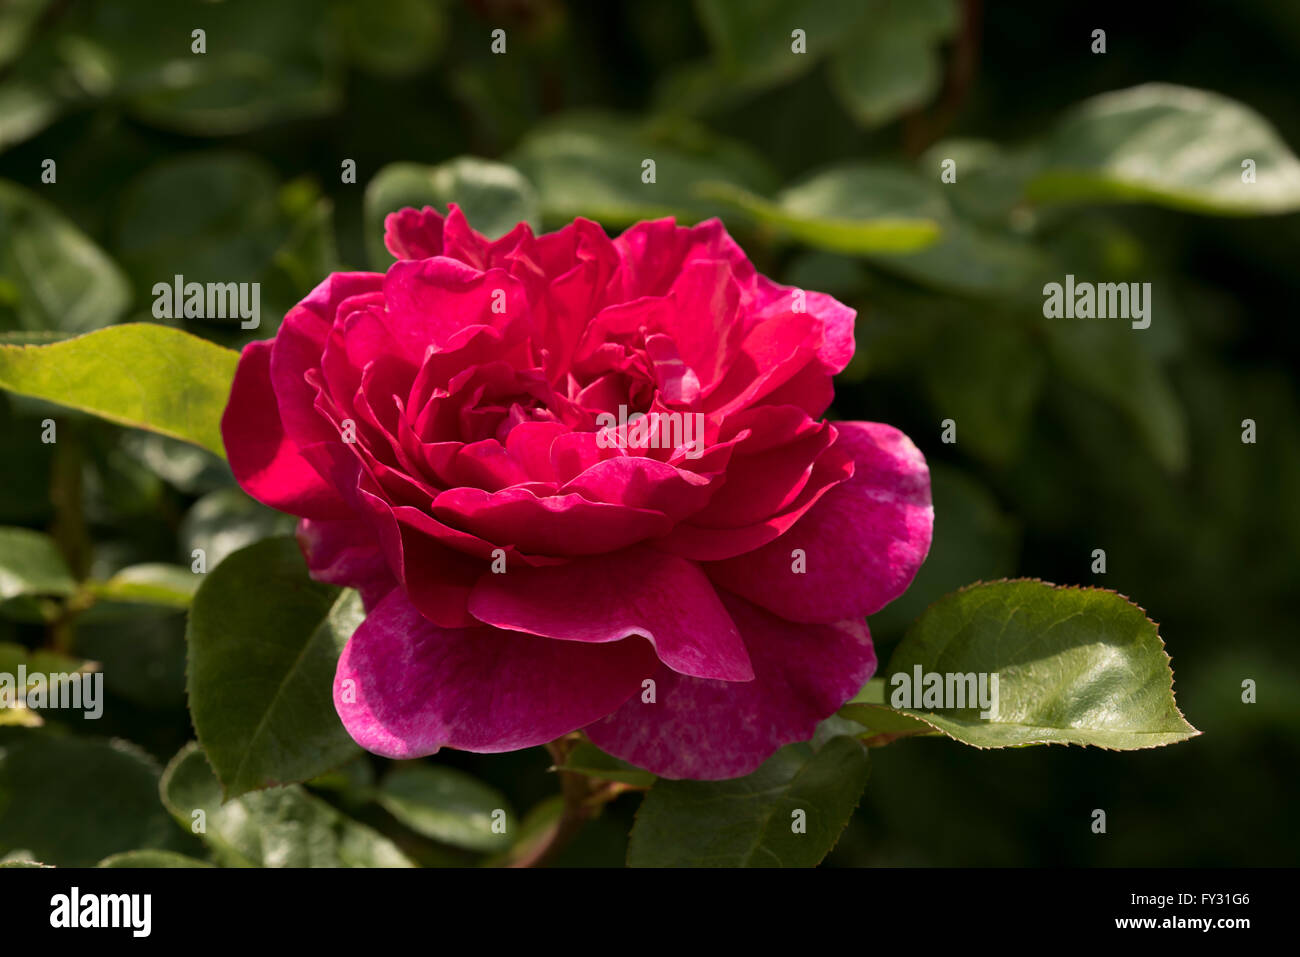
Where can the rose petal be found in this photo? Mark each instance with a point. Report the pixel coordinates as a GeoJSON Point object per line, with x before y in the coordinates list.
{"type": "Point", "coordinates": [664, 599]}
{"type": "Point", "coordinates": [406, 687]}
{"type": "Point", "coordinates": [863, 542]}
{"type": "Point", "coordinates": [708, 730]}
{"type": "Point", "coordinates": [268, 464]}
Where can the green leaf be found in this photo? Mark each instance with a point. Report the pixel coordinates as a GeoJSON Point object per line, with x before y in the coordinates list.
{"type": "Point", "coordinates": [830, 212]}
{"type": "Point", "coordinates": [447, 805]}
{"type": "Point", "coordinates": [139, 374]}
{"type": "Point", "coordinates": [586, 758]}
{"type": "Point", "coordinates": [901, 222]}
{"type": "Point", "coordinates": [151, 859]}
{"type": "Point", "coordinates": [891, 63]}
{"type": "Point", "coordinates": [751, 821]}
{"type": "Point", "coordinates": [880, 723]}
{"type": "Point", "coordinates": [53, 276]}
{"type": "Point", "coordinates": [31, 564]}
{"type": "Point", "coordinates": [279, 827]}
{"type": "Point", "coordinates": [150, 584]}
{"type": "Point", "coordinates": [493, 196]}
{"type": "Point", "coordinates": [1074, 665]}
{"type": "Point", "coordinates": [264, 644]}
{"type": "Point", "coordinates": [591, 164]}
{"type": "Point", "coordinates": [1170, 145]}
{"type": "Point", "coordinates": [72, 801]}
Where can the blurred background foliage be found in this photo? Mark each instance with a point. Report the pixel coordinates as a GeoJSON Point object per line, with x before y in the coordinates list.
{"type": "Point", "coordinates": [227, 166]}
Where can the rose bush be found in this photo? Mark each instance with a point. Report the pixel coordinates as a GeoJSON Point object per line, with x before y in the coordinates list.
{"type": "Point", "coordinates": [442, 432]}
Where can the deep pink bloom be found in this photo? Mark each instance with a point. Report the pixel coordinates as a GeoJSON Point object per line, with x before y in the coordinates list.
{"type": "Point", "coordinates": [450, 434]}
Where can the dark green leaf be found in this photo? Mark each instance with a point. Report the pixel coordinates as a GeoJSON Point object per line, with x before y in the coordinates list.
{"type": "Point", "coordinates": [891, 63]}
{"type": "Point", "coordinates": [74, 801]}
{"type": "Point", "coordinates": [447, 805]}
{"type": "Point", "coordinates": [753, 821]}
{"type": "Point", "coordinates": [264, 643]}
{"type": "Point", "coordinates": [52, 276]}
{"type": "Point", "coordinates": [31, 564]}
{"type": "Point", "coordinates": [279, 827]}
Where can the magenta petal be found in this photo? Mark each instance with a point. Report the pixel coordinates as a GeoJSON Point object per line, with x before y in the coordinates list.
{"type": "Point", "coordinates": [267, 463]}
{"type": "Point", "coordinates": [708, 730]}
{"type": "Point", "coordinates": [346, 552]}
{"type": "Point", "coordinates": [414, 233]}
{"type": "Point", "coordinates": [863, 542]}
{"type": "Point", "coordinates": [662, 598]}
{"type": "Point", "coordinates": [406, 687]}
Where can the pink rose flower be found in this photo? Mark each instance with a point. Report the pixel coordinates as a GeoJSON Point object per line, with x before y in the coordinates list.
{"type": "Point", "coordinates": [460, 437]}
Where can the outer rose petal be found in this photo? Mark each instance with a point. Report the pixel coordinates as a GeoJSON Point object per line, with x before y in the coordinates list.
{"type": "Point", "coordinates": [405, 687]}
{"type": "Point", "coordinates": [864, 540]}
{"type": "Point", "coordinates": [710, 730]}
{"type": "Point", "coordinates": [662, 598]}
{"type": "Point", "coordinates": [267, 463]}
{"type": "Point", "coordinates": [346, 552]}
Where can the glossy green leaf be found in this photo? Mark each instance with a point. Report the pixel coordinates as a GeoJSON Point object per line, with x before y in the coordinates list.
{"type": "Point", "coordinates": [72, 801]}
{"type": "Point", "coordinates": [143, 375]}
{"type": "Point", "coordinates": [493, 196]}
{"type": "Point", "coordinates": [1170, 145]}
{"type": "Point", "coordinates": [151, 859]}
{"type": "Point", "coordinates": [279, 827]}
{"type": "Point", "coordinates": [151, 584]}
{"type": "Point", "coordinates": [1074, 665]}
{"type": "Point", "coordinates": [264, 643]}
{"type": "Point", "coordinates": [829, 212]}
{"type": "Point", "coordinates": [31, 564]}
{"type": "Point", "coordinates": [754, 821]}
{"type": "Point", "coordinates": [53, 276]}
{"type": "Point", "coordinates": [447, 805]}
